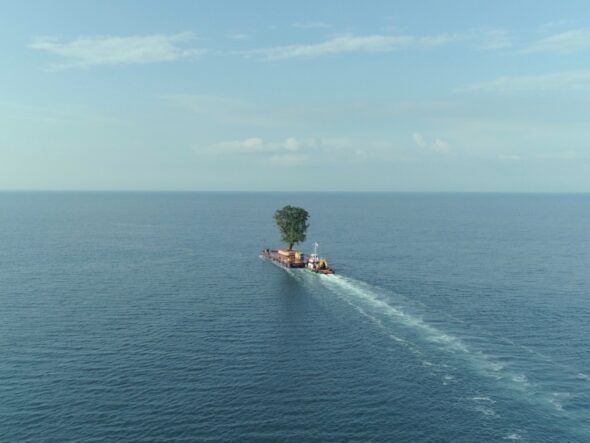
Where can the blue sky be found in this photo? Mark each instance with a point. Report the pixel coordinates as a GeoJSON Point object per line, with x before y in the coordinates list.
{"type": "Point", "coordinates": [282, 96]}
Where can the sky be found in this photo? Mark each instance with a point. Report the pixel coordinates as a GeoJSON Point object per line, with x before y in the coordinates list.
{"type": "Point", "coordinates": [430, 96]}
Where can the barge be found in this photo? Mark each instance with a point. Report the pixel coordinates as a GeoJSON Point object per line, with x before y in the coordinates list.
{"type": "Point", "coordinates": [296, 259]}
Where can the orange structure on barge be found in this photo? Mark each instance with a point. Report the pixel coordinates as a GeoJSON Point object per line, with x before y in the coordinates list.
{"type": "Point", "coordinates": [296, 259]}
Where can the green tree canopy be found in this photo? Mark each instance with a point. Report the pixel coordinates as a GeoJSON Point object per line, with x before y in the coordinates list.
{"type": "Point", "coordinates": [292, 222]}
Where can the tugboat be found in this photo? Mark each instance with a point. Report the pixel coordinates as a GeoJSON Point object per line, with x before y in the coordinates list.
{"type": "Point", "coordinates": [295, 259]}
{"type": "Point", "coordinates": [317, 264]}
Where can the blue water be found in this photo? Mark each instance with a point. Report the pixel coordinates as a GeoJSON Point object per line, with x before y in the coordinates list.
{"type": "Point", "coordinates": [150, 317]}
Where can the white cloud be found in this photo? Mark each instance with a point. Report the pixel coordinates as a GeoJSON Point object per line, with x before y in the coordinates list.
{"type": "Point", "coordinates": [247, 146]}
{"type": "Point", "coordinates": [349, 44]}
{"type": "Point", "coordinates": [288, 152]}
{"type": "Point", "coordinates": [256, 145]}
{"type": "Point", "coordinates": [296, 151]}
{"type": "Point", "coordinates": [291, 144]}
{"type": "Point", "coordinates": [419, 140]}
{"type": "Point", "coordinates": [441, 146]}
{"type": "Point", "coordinates": [565, 42]}
{"type": "Point", "coordinates": [238, 36]}
{"type": "Point", "coordinates": [560, 81]}
{"type": "Point", "coordinates": [84, 52]}
{"type": "Point", "coordinates": [482, 38]}
{"type": "Point", "coordinates": [438, 145]}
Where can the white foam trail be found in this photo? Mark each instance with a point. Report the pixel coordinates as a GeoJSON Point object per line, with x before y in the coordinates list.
{"type": "Point", "coordinates": [559, 398]}
{"type": "Point", "coordinates": [380, 324]}
{"type": "Point", "coordinates": [486, 411]}
{"type": "Point", "coordinates": [483, 398]}
{"type": "Point", "coordinates": [484, 332]}
{"type": "Point", "coordinates": [432, 334]}
{"type": "Point", "coordinates": [513, 436]}
{"type": "Point", "coordinates": [346, 287]}
{"type": "Point", "coordinates": [341, 285]}
{"type": "Point", "coordinates": [448, 379]}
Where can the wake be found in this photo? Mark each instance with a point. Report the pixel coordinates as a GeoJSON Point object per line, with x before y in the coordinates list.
{"type": "Point", "coordinates": [390, 315]}
{"type": "Point", "coordinates": [401, 319]}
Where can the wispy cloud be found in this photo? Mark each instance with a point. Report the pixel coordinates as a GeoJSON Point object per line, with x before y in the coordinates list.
{"type": "Point", "coordinates": [238, 36]}
{"type": "Point", "coordinates": [419, 139]}
{"type": "Point", "coordinates": [438, 145]}
{"type": "Point", "coordinates": [554, 25]}
{"type": "Point", "coordinates": [311, 25]}
{"type": "Point", "coordinates": [295, 151]}
{"type": "Point", "coordinates": [349, 44]}
{"type": "Point", "coordinates": [565, 42]}
{"type": "Point", "coordinates": [288, 152]}
{"type": "Point", "coordinates": [565, 155]}
{"type": "Point", "coordinates": [560, 81]}
{"type": "Point", "coordinates": [493, 39]}
{"type": "Point", "coordinates": [85, 52]}
{"type": "Point", "coordinates": [257, 145]}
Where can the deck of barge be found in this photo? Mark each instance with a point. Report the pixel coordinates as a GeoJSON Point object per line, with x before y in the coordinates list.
{"type": "Point", "coordinates": [286, 261]}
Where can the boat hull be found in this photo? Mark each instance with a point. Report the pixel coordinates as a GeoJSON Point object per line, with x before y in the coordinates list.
{"type": "Point", "coordinates": [328, 271]}
{"type": "Point", "coordinates": [292, 261]}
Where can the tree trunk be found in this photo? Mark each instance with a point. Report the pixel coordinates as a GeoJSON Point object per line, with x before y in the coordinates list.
{"type": "Point", "coordinates": [290, 247]}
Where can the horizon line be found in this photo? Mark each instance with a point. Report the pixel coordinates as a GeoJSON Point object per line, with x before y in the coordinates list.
{"type": "Point", "coordinates": [237, 191]}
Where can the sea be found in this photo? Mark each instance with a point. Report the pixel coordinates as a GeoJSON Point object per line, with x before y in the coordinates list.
{"type": "Point", "coordinates": [151, 317]}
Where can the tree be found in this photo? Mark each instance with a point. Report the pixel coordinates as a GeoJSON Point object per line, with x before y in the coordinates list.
{"type": "Point", "coordinates": [292, 222]}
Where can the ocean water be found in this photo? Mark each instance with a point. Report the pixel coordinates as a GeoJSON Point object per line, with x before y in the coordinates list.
{"type": "Point", "coordinates": [151, 317]}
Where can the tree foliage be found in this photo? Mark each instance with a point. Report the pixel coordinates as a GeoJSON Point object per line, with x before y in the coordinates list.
{"type": "Point", "coordinates": [292, 222]}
